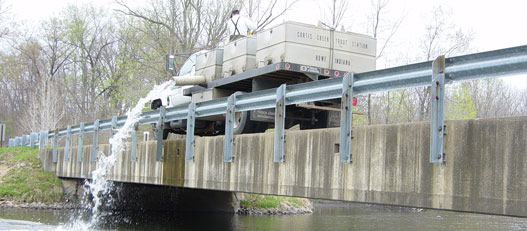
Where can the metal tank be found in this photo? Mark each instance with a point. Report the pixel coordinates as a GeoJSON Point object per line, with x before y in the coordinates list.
{"type": "Point", "coordinates": [209, 64]}
{"type": "Point", "coordinates": [315, 46]}
{"type": "Point", "coordinates": [239, 56]}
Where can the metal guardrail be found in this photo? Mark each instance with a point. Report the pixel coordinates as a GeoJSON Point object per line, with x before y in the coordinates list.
{"type": "Point", "coordinates": [435, 74]}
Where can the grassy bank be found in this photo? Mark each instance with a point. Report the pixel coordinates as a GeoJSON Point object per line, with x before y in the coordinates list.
{"type": "Point", "coordinates": [253, 204]}
{"type": "Point", "coordinates": [267, 202]}
{"type": "Point", "coordinates": [22, 179]}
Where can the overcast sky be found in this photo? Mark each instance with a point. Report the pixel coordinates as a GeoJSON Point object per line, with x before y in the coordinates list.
{"type": "Point", "coordinates": [495, 24]}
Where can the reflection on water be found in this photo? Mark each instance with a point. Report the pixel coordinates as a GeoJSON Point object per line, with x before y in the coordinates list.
{"type": "Point", "coordinates": [23, 225]}
{"type": "Point", "coordinates": [325, 217]}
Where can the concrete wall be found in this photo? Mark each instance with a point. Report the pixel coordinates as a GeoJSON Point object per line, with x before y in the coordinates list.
{"type": "Point", "coordinates": [484, 170]}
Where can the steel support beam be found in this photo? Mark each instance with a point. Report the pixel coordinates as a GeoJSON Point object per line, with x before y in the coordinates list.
{"type": "Point", "coordinates": [279, 125]}
{"type": "Point", "coordinates": [346, 119]}
{"type": "Point", "coordinates": [95, 144]}
{"type": "Point", "coordinates": [228, 141]}
{"type": "Point", "coordinates": [160, 126]}
{"type": "Point", "coordinates": [42, 140]}
{"type": "Point", "coordinates": [67, 145]}
{"type": "Point", "coordinates": [36, 136]}
{"type": "Point", "coordinates": [18, 141]}
{"type": "Point", "coordinates": [437, 124]}
{"type": "Point", "coordinates": [32, 139]}
{"type": "Point", "coordinates": [55, 146]}
{"type": "Point", "coordinates": [113, 131]}
{"type": "Point", "coordinates": [133, 151]}
{"type": "Point", "coordinates": [191, 120]}
{"type": "Point", "coordinates": [80, 143]}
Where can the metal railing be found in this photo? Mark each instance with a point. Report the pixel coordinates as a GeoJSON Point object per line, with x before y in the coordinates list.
{"type": "Point", "coordinates": [435, 74]}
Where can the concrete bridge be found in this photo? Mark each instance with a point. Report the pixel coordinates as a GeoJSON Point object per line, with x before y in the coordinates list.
{"type": "Point", "coordinates": [485, 169]}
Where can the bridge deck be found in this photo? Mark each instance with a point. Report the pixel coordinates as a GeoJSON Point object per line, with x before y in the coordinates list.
{"type": "Point", "coordinates": [485, 169]}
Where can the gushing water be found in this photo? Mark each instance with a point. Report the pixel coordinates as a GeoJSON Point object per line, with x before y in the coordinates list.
{"type": "Point", "coordinates": [99, 188]}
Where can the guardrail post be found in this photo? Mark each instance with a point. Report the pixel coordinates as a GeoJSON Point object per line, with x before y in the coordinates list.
{"type": "Point", "coordinates": [55, 146]}
{"type": "Point", "coordinates": [67, 145]}
{"type": "Point", "coordinates": [113, 129]}
{"type": "Point", "coordinates": [95, 141]}
{"type": "Point", "coordinates": [160, 126]}
{"type": "Point", "coordinates": [36, 138]}
{"type": "Point", "coordinates": [18, 141]}
{"type": "Point", "coordinates": [228, 141]}
{"type": "Point", "coordinates": [80, 142]}
{"type": "Point", "coordinates": [32, 139]}
{"type": "Point", "coordinates": [191, 120]}
{"type": "Point", "coordinates": [279, 125]}
{"type": "Point", "coordinates": [346, 119]}
{"type": "Point", "coordinates": [42, 139]}
{"type": "Point", "coordinates": [133, 152]}
{"type": "Point", "coordinates": [24, 140]}
{"type": "Point", "coordinates": [437, 124]}
{"type": "Point", "coordinates": [10, 143]}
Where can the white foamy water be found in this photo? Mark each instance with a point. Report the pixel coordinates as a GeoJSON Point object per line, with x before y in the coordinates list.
{"type": "Point", "coordinates": [99, 188]}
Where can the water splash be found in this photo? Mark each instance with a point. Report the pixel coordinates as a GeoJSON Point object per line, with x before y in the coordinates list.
{"type": "Point", "coordinates": [100, 187]}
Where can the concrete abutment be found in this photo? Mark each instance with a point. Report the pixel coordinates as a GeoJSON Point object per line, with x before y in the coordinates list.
{"type": "Point", "coordinates": [157, 198]}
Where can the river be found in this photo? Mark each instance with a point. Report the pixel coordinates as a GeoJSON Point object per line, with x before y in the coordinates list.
{"type": "Point", "coordinates": [326, 217]}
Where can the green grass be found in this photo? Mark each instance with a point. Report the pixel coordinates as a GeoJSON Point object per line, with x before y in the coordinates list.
{"type": "Point", "coordinates": [266, 201]}
{"type": "Point", "coordinates": [26, 181]}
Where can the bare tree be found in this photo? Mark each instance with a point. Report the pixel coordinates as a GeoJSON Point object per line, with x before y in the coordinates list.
{"type": "Point", "coordinates": [493, 98]}
{"type": "Point", "coordinates": [264, 12]}
{"type": "Point", "coordinates": [4, 22]}
{"type": "Point", "coordinates": [179, 27]}
{"type": "Point", "coordinates": [39, 102]}
{"type": "Point", "coordinates": [383, 30]}
{"type": "Point", "coordinates": [334, 12]}
{"type": "Point", "coordinates": [91, 33]}
{"type": "Point", "coordinates": [442, 37]}
{"type": "Point", "coordinates": [45, 109]}
{"type": "Point", "coordinates": [188, 24]}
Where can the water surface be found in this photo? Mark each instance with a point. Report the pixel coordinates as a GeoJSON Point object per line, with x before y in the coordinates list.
{"type": "Point", "coordinates": [326, 217]}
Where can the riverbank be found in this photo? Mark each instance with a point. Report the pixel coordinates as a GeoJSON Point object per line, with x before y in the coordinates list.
{"type": "Point", "coordinates": [24, 184]}
{"type": "Point", "coordinates": [254, 204]}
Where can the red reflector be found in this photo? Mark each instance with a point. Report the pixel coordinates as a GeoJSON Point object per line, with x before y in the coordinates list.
{"type": "Point", "coordinates": [287, 66]}
{"type": "Point", "coordinates": [354, 102]}
{"type": "Point", "coordinates": [336, 73]}
{"type": "Point", "coordinates": [326, 72]}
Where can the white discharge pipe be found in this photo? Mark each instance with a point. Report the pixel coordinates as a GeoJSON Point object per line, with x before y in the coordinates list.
{"type": "Point", "coordinates": [188, 80]}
